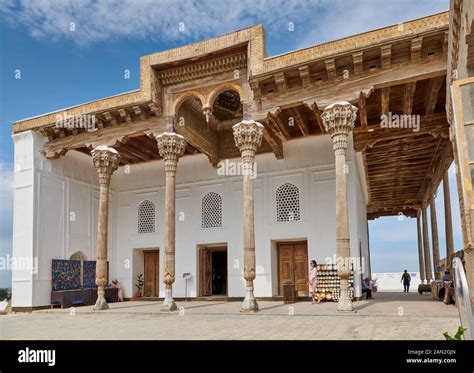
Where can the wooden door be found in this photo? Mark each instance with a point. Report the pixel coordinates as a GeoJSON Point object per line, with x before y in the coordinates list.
{"type": "Point", "coordinates": [286, 265]}
{"type": "Point", "coordinates": [293, 266]}
{"type": "Point", "coordinates": [151, 259]}
{"type": "Point", "coordinates": [301, 268]}
{"type": "Point", "coordinates": [205, 270]}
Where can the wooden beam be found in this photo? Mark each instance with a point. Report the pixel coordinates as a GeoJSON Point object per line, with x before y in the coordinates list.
{"type": "Point", "coordinates": [444, 41]}
{"type": "Point", "coordinates": [125, 116]}
{"type": "Point", "coordinates": [278, 123]}
{"type": "Point", "coordinates": [202, 138]}
{"type": "Point", "coordinates": [139, 152]}
{"type": "Point", "coordinates": [363, 138]}
{"type": "Point", "coordinates": [129, 154]}
{"type": "Point", "coordinates": [280, 81]}
{"type": "Point", "coordinates": [138, 111]}
{"type": "Point", "coordinates": [386, 55]}
{"type": "Point", "coordinates": [110, 118]}
{"type": "Point", "coordinates": [362, 111]}
{"type": "Point", "coordinates": [331, 68]}
{"type": "Point", "coordinates": [416, 44]}
{"type": "Point", "coordinates": [106, 136]}
{"type": "Point", "coordinates": [300, 121]}
{"type": "Point", "coordinates": [432, 96]}
{"type": "Point", "coordinates": [304, 75]}
{"type": "Point", "coordinates": [256, 88]}
{"type": "Point", "coordinates": [275, 143]}
{"type": "Point", "coordinates": [385, 100]}
{"type": "Point", "coordinates": [317, 113]}
{"type": "Point", "coordinates": [349, 89]}
{"type": "Point", "coordinates": [408, 95]}
{"type": "Point", "coordinates": [358, 60]}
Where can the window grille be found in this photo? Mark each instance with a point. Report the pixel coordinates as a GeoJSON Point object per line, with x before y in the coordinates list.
{"type": "Point", "coordinates": [288, 203]}
{"type": "Point", "coordinates": [211, 211]}
{"type": "Point", "coordinates": [146, 217]}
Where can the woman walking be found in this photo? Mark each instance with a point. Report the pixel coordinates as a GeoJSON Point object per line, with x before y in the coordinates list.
{"type": "Point", "coordinates": [312, 283]}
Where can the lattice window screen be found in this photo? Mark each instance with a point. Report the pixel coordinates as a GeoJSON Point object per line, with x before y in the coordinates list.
{"type": "Point", "coordinates": [146, 217]}
{"type": "Point", "coordinates": [288, 203]}
{"type": "Point", "coordinates": [211, 211]}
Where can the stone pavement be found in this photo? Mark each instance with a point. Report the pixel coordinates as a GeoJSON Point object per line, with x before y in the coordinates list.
{"type": "Point", "coordinates": [389, 316]}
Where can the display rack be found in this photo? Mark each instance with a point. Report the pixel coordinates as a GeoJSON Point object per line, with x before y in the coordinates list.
{"type": "Point", "coordinates": [328, 283]}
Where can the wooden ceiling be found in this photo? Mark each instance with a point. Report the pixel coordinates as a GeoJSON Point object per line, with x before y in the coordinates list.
{"type": "Point", "coordinates": [402, 165]}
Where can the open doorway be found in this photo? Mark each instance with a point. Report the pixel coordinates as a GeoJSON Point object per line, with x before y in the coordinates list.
{"type": "Point", "coordinates": [213, 270]}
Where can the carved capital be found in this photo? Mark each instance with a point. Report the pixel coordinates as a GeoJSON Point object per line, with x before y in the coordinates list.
{"type": "Point", "coordinates": [207, 111]}
{"type": "Point", "coordinates": [171, 146]}
{"type": "Point", "coordinates": [248, 138]}
{"type": "Point", "coordinates": [338, 120]}
{"type": "Point", "coordinates": [106, 161]}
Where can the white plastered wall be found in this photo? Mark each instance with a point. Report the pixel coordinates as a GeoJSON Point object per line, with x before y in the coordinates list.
{"type": "Point", "coordinates": [48, 191]}
{"type": "Point", "coordinates": [55, 215]}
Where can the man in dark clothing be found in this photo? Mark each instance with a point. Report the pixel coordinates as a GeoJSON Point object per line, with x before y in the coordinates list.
{"type": "Point", "coordinates": [366, 288]}
{"type": "Point", "coordinates": [406, 281]}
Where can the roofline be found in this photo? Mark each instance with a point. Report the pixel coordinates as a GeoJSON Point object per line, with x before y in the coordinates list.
{"type": "Point", "coordinates": [354, 35]}
{"type": "Point", "coordinates": [201, 42]}
{"type": "Point", "coordinates": [75, 106]}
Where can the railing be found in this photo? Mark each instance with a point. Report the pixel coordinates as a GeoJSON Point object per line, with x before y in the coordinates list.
{"type": "Point", "coordinates": [463, 301]}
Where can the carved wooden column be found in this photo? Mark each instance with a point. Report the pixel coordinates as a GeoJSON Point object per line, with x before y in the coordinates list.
{"type": "Point", "coordinates": [248, 138]}
{"type": "Point", "coordinates": [170, 146]}
{"type": "Point", "coordinates": [338, 120]}
{"type": "Point", "coordinates": [434, 237]}
{"type": "Point", "coordinates": [448, 220]}
{"type": "Point", "coordinates": [420, 247]}
{"type": "Point", "coordinates": [106, 161]}
{"type": "Point", "coordinates": [426, 247]}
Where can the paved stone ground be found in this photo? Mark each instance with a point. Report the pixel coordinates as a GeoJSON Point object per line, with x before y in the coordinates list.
{"type": "Point", "coordinates": [389, 316]}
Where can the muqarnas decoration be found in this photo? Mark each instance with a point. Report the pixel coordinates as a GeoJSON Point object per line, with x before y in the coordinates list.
{"type": "Point", "coordinates": [88, 280]}
{"type": "Point", "coordinates": [66, 274]}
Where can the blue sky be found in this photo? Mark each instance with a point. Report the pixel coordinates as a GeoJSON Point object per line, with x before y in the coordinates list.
{"type": "Point", "coordinates": [69, 52]}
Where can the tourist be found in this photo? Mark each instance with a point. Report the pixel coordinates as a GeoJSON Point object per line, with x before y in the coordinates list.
{"type": "Point", "coordinates": [312, 283]}
{"type": "Point", "coordinates": [366, 288]}
{"type": "Point", "coordinates": [447, 291]}
{"type": "Point", "coordinates": [406, 281]}
{"type": "Point", "coordinates": [116, 284]}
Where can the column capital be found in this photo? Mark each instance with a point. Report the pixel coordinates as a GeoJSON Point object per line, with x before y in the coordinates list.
{"type": "Point", "coordinates": [248, 138]}
{"type": "Point", "coordinates": [170, 146]}
{"type": "Point", "coordinates": [338, 120]}
{"type": "Point", "coordinates": [106, 161]}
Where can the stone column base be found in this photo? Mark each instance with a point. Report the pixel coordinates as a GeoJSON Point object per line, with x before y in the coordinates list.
{"type": "Point", "coordinates": [345, 303]}
{"type": "Point", "coordinates": [250, 302]}
{"type": "Point", "coordinates": [101, 303]}
{"type": "Point", "coordinates": [168, 303]}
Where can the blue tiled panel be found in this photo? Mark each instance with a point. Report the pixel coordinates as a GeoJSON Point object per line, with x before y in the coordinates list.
{"type": "Point", "coordinates": [66, 274]}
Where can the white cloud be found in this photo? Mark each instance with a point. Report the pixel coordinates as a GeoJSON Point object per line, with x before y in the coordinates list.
{"type": "Point", "coordinates": [345, 18]}
{"type": "Point", "coordinates": [161, 20]}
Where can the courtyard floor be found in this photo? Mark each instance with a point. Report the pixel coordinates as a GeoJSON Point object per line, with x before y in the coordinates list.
{"type": "Point", "coordinates": [390, 315]}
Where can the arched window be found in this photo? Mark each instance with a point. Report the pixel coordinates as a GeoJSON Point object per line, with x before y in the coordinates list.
{"type": "Point", "coordinates": [78, 255]}
{"type": "Point", "coordinates": [288, 203]}
{"type": "Point", "coordinates": [146, 217]}
{"type": "Point", "coordinates": [211, 211]}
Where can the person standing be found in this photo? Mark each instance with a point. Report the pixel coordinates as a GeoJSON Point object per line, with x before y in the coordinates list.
{"type": "Point", "coordinates": [406, 281]}
{"type": "Point", "coordinates": [313, 281]}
